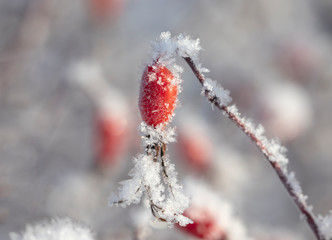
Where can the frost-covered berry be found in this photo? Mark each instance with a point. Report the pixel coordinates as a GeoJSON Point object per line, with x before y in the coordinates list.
{"type": "Point", "coordinates": [205, 225]}
{"type": "Point", "coordinates": [158, 94]}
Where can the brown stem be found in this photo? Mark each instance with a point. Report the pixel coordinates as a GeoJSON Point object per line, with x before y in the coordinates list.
{"type": "Point", "coordinates": [304, 209]}
{"type": "Point", "coordinates": [154, 151]}
{"type": "Point", "coordinates": [154, 208]}
{"type": "Point", "coordinates": [162, 156]}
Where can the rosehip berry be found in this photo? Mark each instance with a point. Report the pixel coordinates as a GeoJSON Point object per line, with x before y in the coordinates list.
{"type": "Point", "coordinates": [111, 139]}
{"type": "Point", "coordinates": [205, 226]}
{"type": "Point", "coordinates": [158, 95]}
{"type": "Point", "coordinates": [104, 10]}
{"type": "Point", "coordinates": [196, 150]}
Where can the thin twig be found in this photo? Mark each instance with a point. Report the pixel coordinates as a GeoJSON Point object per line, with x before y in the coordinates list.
{"type": "Point", "coordinates": [154, 151]}
{"type": "Point", "coordinates": [162, 156]}
{"type": "Point", "coordinates": [304, 209]}
{"type": "Point", "coordinates": [154, 208]}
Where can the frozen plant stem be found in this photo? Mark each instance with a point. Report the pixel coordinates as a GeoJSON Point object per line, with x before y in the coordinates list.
{"type": "Point", "coordinates": [153, 175]}
{"type": "Point", "coordinates": [234, 116]}
{"type": "Point", "coordinates": [157, 151]}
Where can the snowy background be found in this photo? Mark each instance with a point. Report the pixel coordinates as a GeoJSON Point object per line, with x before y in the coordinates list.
{"type": "Point", "coordinates": [274, 57]}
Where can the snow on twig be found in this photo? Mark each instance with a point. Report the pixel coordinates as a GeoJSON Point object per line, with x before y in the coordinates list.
{"type": "Point", "coordinates": [272, 150]}
{"type": "Point", "coordinates": [325, 225]}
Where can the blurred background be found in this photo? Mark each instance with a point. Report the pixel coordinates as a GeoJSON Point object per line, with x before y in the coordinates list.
{"type": "Point", "coordinates": [69, 80]}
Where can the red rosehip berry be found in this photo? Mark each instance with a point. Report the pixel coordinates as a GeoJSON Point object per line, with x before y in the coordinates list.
{"type": "Point", "coordinates": [111, 139]}
{"type": "Point", "coordinates": [205, 226]}
{"type": "Point", "coordinates": [158, 94]}
{"type": "Point", "coordinates": [106, 10]}
{"type": "Point", "coordinates": [196, 150]}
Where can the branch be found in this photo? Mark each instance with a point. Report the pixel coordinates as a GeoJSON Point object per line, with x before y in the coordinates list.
{"type": "Point", "coordinates": [274, 156]}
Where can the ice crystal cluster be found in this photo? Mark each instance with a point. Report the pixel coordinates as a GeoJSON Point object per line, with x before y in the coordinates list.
{"type": "Point", "coordinates": [157, 134]}
{"type": "Point", "coordinates": [214, 91]}
{"type": "Point", "coordinates": [325, 225]}
{"type": "Point", "coordinates": [55, 229]}
{"type": "Point", "coordinates": [165, 196]}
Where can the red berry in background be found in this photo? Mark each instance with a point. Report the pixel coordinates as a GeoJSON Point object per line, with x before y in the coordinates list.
{"type": "Point", "coordinates": [205, 225]}
{"type": "Point", "coordinates": [158, 94]}
{"type": "Point", "coordinates": [196, 150]}
{"type": "Point", "coordinates": [105, 10]}
{"type": "Point", "coordinates": [111, 139]}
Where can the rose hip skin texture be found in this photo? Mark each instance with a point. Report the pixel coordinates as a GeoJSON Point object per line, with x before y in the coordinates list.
{"type": "Point", "coordinates": [158, 95]}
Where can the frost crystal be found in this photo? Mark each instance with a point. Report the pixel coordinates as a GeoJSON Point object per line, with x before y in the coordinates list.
{"type": "Point", "coordinates": [188, 47]}
{"type": "Point", "coordinates": [157, 135]}
{"type": "Point", "coordinates": [272, 148]}
{"type": "Point", "coordinates": [154, 175]}
{"type": "Point", "coordinates": [55, 229]}
{"type": "Point", "coordinates": [166, 47]}
{"type": "Point", "coordinates": [325, 225]}
{"type": "Point", "coordinates": [213, 91]}
{"type": "Point", "coordinates": [164, 50]}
